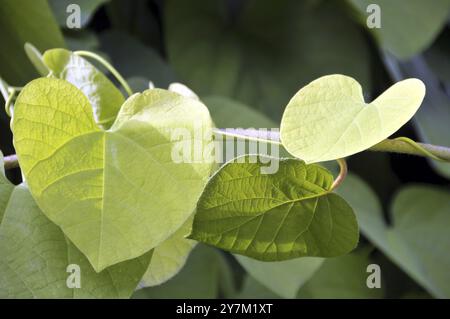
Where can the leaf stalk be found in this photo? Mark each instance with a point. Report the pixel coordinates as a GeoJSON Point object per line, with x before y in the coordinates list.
{"type": "Point", "coordinates": [110, 68]}
{"type": "Point", "coordinates": [343, 170]}
{"type": "Point", "coordinates": [402, 145]}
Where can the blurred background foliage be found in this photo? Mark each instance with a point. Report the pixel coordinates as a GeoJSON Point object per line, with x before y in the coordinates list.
{"type": "Point", "coordinates": [246, 59]}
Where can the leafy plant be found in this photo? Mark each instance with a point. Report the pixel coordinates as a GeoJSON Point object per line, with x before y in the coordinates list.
{"type": "Point", "coordinates": [100, 187]}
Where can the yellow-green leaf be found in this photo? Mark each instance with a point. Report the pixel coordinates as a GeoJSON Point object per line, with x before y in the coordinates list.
{"type": "Point", "coordinates": [328, 119]}
{"type": "Point", "coordinates": [109, 190]}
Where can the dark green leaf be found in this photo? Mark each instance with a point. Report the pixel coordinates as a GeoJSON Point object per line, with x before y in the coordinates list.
{"type": "Point", "coordinates": [283, 215]}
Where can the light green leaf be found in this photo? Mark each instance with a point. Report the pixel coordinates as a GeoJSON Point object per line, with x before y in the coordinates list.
{"type": "Point", "coordinates": [287, 214]}
{"type": "Point", "coordinates": [169, 257]}
{"type": "Point", "coordinates": [328, 119]}
{"type": "Point", "coordinates": [407, 26]}
{"type": "Point", "coordinates": [35, 254]}
{"type": "Point", "coordinates": [418, 239]}
{"type": "Point", "coordinates": [199, 279]}
{"type": "Point", "coordinates": [343, 278]}
{"type": "Point", "coordinates": [282, 277]}
{"type": "Point", "coordinates": [218, 50]}
{"type": "Point", "coordinates": [87, 10]}
{"type": "Point", "coordinates": [25, 21]}
{"type": "Point", "coordinates": [104, 97]}
{"type": "Point", "coordinates": [108, 190]}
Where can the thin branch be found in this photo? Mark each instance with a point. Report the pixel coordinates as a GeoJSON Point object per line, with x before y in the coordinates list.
{"type": "Point", "coordinates": [398, 145]}
{"type": "Point", "coordinates": [265, 136]}
{"type": "Point", "coordinates": [110, 68]}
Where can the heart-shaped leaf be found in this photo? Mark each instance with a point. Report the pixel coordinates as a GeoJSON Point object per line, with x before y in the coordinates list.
{"type": "Point", "coordinates": [279, 216]}
{"type": "Point", "coordinates": [118, 193]}
{"type": "Point", "coordinates": [104, 97]}
{"type": "Point", "coordinates": [328, 119]}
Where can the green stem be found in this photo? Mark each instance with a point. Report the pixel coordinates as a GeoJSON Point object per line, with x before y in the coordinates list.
{"type": "Point", "coordinates": [110, 68]}
{"type": "Point", "coordinates": [12, 94]}
{"type": "Point", "coordinates": [4, 89]}
{"type": "Point", "coordinates": [402, 145]}
{"type": "Point", "coordinates": [250, 135]}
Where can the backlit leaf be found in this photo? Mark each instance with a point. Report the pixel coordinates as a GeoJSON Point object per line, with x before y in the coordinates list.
{"type": "Point", "coordinates": [117, 193]}
{"type": "Point", "coordinates": [328, 119]}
